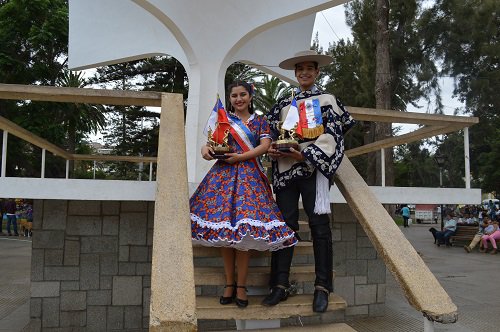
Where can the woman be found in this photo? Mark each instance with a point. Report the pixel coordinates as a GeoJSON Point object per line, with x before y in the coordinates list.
{"type": "Point", "coordinates": [233, 207]}
{"type": "Point", "coordinates": [492, 235]}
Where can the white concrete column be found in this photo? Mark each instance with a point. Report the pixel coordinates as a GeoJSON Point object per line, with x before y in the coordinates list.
{"type": "Point", "coordinates": [43, 164]}
{"type": "Point", "coordinates": [201, 100]}
{"type": "Point", "coordinates": [428, 325]}
{"type": "Point", "coordinates": [173, 304]}
{"type": "Point", "coordinates": [4, 152]}
{"type": "Point", "coordinates": [150, 171]}
{"type": "Point", "coordinates": [382, 164]}
{"type": "Point", "coordinates": [467, 157]}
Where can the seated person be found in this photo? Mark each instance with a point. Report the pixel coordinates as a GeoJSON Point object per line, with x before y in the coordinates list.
{"type": "Point", "coordinates": [485, 226]}
{"type": "Point", "coordinates": [469, 220]}
{"type": "Point", "coordinates": [450, 227]}
{"type": "Point", "coordinates": [493, 236]}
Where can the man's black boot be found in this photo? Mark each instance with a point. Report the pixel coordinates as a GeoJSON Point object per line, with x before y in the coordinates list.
{"type": "Point", "coordinates": [277, 295]}
{"type": "Point", "coordinates": [320, 302]}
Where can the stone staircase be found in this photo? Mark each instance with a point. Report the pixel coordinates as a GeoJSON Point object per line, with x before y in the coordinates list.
{"type": "Point", "coordinates": [209, 281]}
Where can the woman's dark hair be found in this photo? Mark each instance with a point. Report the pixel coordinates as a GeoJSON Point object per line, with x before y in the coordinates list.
{"type": "Point", "coordinates": [248, 87]}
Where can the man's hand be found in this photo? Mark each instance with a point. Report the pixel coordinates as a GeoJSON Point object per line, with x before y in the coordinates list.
{"type": "Point", "coordinates": [273, 153]}
{"type": "Point", "coordinates": [295, 154]}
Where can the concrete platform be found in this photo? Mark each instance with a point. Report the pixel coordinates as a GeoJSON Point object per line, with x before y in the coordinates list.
{"type": "Point", "coordinates": [470, 279]}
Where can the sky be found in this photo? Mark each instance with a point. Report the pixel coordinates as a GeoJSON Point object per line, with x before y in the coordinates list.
{"type": "Point", "coordinates": [331, 27]}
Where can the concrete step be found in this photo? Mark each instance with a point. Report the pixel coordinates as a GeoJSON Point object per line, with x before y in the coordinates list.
{"type": "Point", "coordinates": [302, 248]}
{"type": "Point", "coordinates": [257, 276]}
{"type": "Point", "coordinates": [208, 307]}
{"type": "Point", "coordinates": [334, 327]}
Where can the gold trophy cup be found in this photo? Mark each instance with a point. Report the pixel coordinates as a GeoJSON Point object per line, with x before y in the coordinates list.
{"type": "Point", "coordinates": [287, 139]}
{"type": "Point", "coordinates": [220, 150]}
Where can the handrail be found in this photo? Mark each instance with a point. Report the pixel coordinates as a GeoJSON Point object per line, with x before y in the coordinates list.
{"type": "Point", "coordinates": [381, 115]}
{"type": "Point", "coordinates": [420, 286]}
{"type": "Point", "coordinates": [29, 137]}
{"type": "Point", "coordinates": [80, 95]}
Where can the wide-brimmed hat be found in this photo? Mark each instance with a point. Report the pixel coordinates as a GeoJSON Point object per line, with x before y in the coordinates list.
{"type": "Point", "coordinates": [304, 56]}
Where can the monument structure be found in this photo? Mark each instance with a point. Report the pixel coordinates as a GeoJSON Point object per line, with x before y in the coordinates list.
{"type": "Point", "coordinates": [206, 37]}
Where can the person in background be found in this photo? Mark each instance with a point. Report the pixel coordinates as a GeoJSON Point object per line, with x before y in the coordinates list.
{"type": "Point", "coordinates": [450, 227]}
{"type": "Point", "coordinates": [491, 209]}
{"type": "Point", "coordinates": [405, 212]}
{"type": "Point", "coordinates": [493, 235]}
{"type": "Point", "coordinates": [484, 226]}
{"type": "Point", "coordinates": [10, 210]}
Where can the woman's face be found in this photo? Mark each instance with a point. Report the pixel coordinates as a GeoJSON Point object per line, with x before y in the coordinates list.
{"type": "Point", "coordinates": [240, 99]}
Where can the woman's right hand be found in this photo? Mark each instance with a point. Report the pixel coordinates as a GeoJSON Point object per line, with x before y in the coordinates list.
{"type": "Point", "coordinates": [207, 152]}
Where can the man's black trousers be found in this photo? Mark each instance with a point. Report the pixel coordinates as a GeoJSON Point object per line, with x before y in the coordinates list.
{"type": "Point", "coordinates": [288, 202]}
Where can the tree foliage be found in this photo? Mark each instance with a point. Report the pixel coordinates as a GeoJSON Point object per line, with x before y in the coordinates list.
{"type": "Point", "coordinates": [465, 37]}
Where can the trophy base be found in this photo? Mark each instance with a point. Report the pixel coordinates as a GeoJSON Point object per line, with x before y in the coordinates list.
{"type": "Point", "coordinates": [220, 152]}
{"type": "Point", "coordinates": [284, 146]}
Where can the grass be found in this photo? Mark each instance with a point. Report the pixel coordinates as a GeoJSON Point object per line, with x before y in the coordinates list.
{"type": "Point", "coordinates": [398, 219]}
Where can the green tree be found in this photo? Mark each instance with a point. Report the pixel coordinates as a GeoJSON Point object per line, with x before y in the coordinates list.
{"type": "Point", "coordinates": [464, 36]}
{"type": "Point", "coordinates": [78, 120]}
{"type": "Point", "coordinates": [414, 166]}
{"type": "Point", "coordinates": [411, 72]}
{"type": "Point", "coordinates": [33, 50]}
{"type": "Point", "coordinates": [269, 91]}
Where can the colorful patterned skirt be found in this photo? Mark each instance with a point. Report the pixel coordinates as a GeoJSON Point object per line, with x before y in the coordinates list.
{"type": "Point", "coordinates": [233, 207]}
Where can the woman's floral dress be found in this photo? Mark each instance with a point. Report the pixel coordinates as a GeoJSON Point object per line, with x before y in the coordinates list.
{"type": "Point", "coordinates": [234, 207]}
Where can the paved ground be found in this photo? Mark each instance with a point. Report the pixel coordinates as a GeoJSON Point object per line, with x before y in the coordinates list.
{"type": "Point", "coordinates": [15, 261]}
{"type": "Point", "coordinates": [472, 280]}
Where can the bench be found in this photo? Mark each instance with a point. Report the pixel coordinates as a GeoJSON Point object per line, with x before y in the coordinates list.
{"type": "Point", "coordinates": [464, 234]}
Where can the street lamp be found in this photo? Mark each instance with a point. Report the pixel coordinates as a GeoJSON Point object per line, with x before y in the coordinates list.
{"type": "Point", "coordinates": [440, 160]}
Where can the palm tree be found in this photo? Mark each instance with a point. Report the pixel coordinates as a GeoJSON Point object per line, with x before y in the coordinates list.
{"type": "Point", "coordinates": [270, 90]}
{"type": "Point", "coordinates": [78, 120]}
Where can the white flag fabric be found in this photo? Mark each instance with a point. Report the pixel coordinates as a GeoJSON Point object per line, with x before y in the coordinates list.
{"type": "Point", "coordinates": [214, 116]}
{"type": "Point", "coordinates": [292, 117]}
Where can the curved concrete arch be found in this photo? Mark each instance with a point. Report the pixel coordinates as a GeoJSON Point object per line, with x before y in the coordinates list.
{"type": "Point", "coordinates": [105, 32]}
{"type": "Point", "coordinates": [170, 25]}
{"type": "Point", "coordinates": [267, 60]}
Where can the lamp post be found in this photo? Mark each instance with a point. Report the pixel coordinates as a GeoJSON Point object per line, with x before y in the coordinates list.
{"type": "Point", "coordinates": [440, 159]}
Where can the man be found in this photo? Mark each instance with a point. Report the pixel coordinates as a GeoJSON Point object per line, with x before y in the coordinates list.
{"type": "Point", "coordinates": [10, 209]}
{"type": "Point", "coordinates": [321, 123]}
{"type": "Point", "coordinates": [450, 227]}
{"type": "Point", "coordinates": [405, 212]}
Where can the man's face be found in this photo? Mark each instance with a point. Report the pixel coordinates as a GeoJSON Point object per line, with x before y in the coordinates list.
{"type": "Point", "coordinates": [306, 74]}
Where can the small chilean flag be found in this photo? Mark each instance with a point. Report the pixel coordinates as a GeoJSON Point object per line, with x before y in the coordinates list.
{"type": "Point", "coordinates": [218, 122]}
{"type": "Point", "coordinates": [292, 118]}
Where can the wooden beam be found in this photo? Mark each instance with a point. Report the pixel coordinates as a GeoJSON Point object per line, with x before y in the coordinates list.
{"type": "Point", "coordinates": [26, 135]}
{"type": "Point", "coordinates": [380, 115]}
{"type": "Point", "coordinates": [109, 157]}
{"type": "Point", "coordinates": [79, 95]}
{"type": "Point", "coordinates": [416, 135]}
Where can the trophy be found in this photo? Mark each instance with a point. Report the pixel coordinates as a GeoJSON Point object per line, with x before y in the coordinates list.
{"type": "Point", "coordinates": [220, 150]}
{"type": "Point", "coordinates": [287, 139]}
